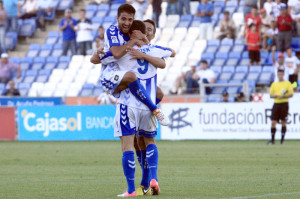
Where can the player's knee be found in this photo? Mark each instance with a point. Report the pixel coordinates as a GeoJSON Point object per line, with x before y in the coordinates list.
{"type": "Point", "coordinates": [141, 144]}
{"type": "Point", "coordinates": [130, 77]}
{"type": "Point", "coordinates": [283, 129]}
{"type": "Point", "coordinates": [149, 141]}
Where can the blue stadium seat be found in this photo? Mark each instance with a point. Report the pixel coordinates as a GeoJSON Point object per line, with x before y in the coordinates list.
{"type": "Point", "coordinates": [109, 19]}
{"type": "Point", "coordinates": [232, 4]}
{"type": "Point", "coordinates": [242, 69]}
{"type": "Point", "coordinates": [91, 7]}
{"type": "Point", "coordinates": [256, 69]}
{"type": "Point", "coordinates": [228, 69]}
{"type": "Point", "coordinates": [86, 92]}
{"type": "Point", "coordinates": [25, 86]}
{"type": "Point", "coordinates": [64, 62]}
{"type": "Point", "coordinates": [211, 49]}
{"type": "Point", "coordinates": [296, 44]}
{"type": "Point", "coordinates": [233, 89]}
{"type": "Point", "coordinates": [42, 78]}
{"type": "Point", "coordinates": [38, 63]}
{"type": "Point", "coordinates": [213, 42]}
{"type": "Point", "coordinates": [57, 50]}
{"type": "Point", "coordinates": [51, 63]}
{"type": "Point", "coordinates": [46, 50]}
{"type": "Point", "coordinates": [238, 48]}
{"type": "Point", "coordinates": [88, 86]}
{"type": "Point", "coordinates": [101, 13]}
{"type": "Point", "coordinates": [221, 81]}
{"type": "Point", "coordinates": [34, 50]}
{"type": "Point", "coordinates": [113, 13]}
{"type": "Point", "coordinates": [45, 72]}
{"type": "Point", "coordinates": [32, 72]}
{"type": "Point", "coordinates": [268, 69]}
{"type": "Point", "coordinates": [244, 61]}
{"type": "Point", "coordinates": [208, 56]}
{"type": "Point", "coordinates": [11, 39]}
{"type": "Point", "coordinates": [97, 20]}
{"type": "Point", "coordinates": [16, 60]}
{"type": "Point", "coordinates": [27, 28]}
{"type": "Point", "coordinates": [188, 18]}
{"type": "Point", "coordinates": [97, 91]}
{"type": "Point", "coordinates": [218, 90]}
{"type": "Point", "coordinates": [55, 4]}
{"type": "Point", "coordinates": [234, 55]}
{"type": "Point", "coordinates": [225, 75]}
{"type": "Point", "coordinates": [195, 23]}
{"type": "Point", "coordinates": [90, 14]}
{"type": "Point", "coordinates": [253, 76]}
{"type": "Point", "coordinates": [115, 6]}
{"type": "Point", "coordinates": [239, 76]}
{"type": "Point", "coordinates": [224, 49]}
{"type": "Point", "coordinates": [218, 9]}
{"type": "Point", "coordinates": [103, 7]}
{"type": "Point", "coordinates": [183, 24]}
{"type": "Point", "coordinates": [65, 4]}
{"type": "Point", "coordinates": [227, 42]}
{"type": "Point", "coordinates": [239, 42]}
{"type": "Point", "coordinates": [213, 98]}
{"type": "Point", "coordinates": [26, 63]}
{"type": "Point", "coordinates": [51, 17]}
{"type": "Point", "coordinates": [235, 81]}
{"type": "Point", "coordinates": [245, 54]}
{"type": "Point", "coordinates": [216, 69]}
{"type": "Point", "coordinates": [265, 78]}
{"type": "Point", "coordinates": [65, 58]}
{"type": "Point", "coordinates": [232, 61]}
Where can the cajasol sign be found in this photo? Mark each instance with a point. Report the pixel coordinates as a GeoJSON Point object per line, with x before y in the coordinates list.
{"type": "Point", "coordinates": [66, 123]}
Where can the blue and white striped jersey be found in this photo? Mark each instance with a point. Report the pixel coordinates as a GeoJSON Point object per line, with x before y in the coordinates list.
{"type": "Point", "coordinates": [145, 72]}
{"type": "Point", "coordinates": [114, 37]}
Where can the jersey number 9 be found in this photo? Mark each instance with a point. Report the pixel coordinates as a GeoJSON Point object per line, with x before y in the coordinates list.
{"type": "Point", "coordinates": [142, 63]}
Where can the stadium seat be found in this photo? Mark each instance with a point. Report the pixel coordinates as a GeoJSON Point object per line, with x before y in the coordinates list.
{"type": "Point", "coordinates": [51, 63]}
{"type": "Point", "coordinates": [213, 98]}
{"type": "Point", "coordinates": [239, 76]}
{"type": "Point", "coordinates": [256, 69]}
{"type": "Point", "coordinates": [46, 50]}
{"type": "Point", "coordinates": [253, 76]}
{"type": "Point", "coordinates": [216, 69]}
{"type": "Point", "coordinates": [38, 63]}
{"type": "Point", "coordinates": [227, 42]}
{"type": "Point", "coordinates": [33, 50]}
{"type": "Point", "coordinates": [238, 48]}
{"type": "Point", "coordinates": [172, 21]}
{"type": "Point", "coordinates": [268, 69]}
{"type": "Point", "coordinates": [242, 69]}
{"type": "Point", "coordinates": [115, 6]}
{"type": "Point", "coordinates": [63, 62]}
{"type": "Point", "coordinates": [65, 4]}
{"type": "Point", "coordinates": [296, 44]}
{"type": "Point", "coordinates": [229, 69]}
{"type": "Point", "coordinates": [16, 60]}
{"type": "Point", "coordinates": [27, 28]}
{"type": "Point", "coordinates": [225, 75]}
{"type": "Point", "coordinates": [224, 49]}
{"type": "Point", "coordinates": [211, 49]}
{"type": "Point", "coordinates": [101, 14]}
{"type": "Point", "coordinates": [26, 63]}
{"type": "Point", "coordinates": [57, 50]}
{"type": "Point", "coordinates": [244, 61]}
{"type": "Point", "coordinates": [103, 7]}
{"type": "Point", "coordinates": [113, 13]}
{"type": "Point", "coordinates": [11, 39]}
{"type": "Point", "coordinates": [208, 56]}
{"type": "Point", "coordinates": [218, 90]}
{"type": "Point", "coordinates": [265, 78]}
{"type": "Point", "coordinates": [233, 89]}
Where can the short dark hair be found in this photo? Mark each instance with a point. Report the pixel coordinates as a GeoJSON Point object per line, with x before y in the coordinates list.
{"type": "Point", "coordinates": [126, 8]}
{"type": "Point", "coordinates": [280, 70]}
{"type": "Point", "coordinates": [137, 25]}
{"type": "Point", "coordinates": [203, 61]}
{"type": "Point", "coordinates": [82, 10]}
{"type": "Point", "coordinates": [152, 22]}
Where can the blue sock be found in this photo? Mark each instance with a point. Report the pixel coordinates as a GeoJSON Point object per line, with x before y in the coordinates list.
{"type": "Point", "coordinates": [139, 157]}
{"type": "Point", "coordinates": [152, 159]}
{"type": "Point", "coordinates": [145, 170]}
{"type": "Point", "coordinates": [129, 169]}
{"type": "Point", "coordinates": [140, 93]}
{"type": "Point", "coordinates": [158, 100]}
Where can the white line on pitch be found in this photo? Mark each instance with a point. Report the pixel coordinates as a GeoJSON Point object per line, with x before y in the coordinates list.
{"type": "Point", "coordinates": [266, 195]}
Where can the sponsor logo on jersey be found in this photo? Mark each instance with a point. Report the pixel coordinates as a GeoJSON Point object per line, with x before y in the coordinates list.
{"type": "Point", "coordinates": [114, 39]}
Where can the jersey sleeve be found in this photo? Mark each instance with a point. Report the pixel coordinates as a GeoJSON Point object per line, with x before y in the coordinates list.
{"type": "Point", "coordinates": [272, 89]}
{"type": "Point", "coordinates": [108, 58]}
{"type": "Point", "coordinates": [111, 37]}
{"type": "Point", "coordinates": [162, 52]}
{"type": "Point", "coordinates": [290, 89]}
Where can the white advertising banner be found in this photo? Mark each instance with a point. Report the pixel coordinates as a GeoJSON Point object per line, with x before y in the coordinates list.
{"type": "Point", "coordinates": [225, 121]}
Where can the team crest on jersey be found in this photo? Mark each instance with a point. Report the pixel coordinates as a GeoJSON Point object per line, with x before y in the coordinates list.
{"type": "Point", "coordinates": [112, 28]}
{"type": "Point", "coordinates": [114, 39]}
{"type": "Point", "coordinates": [116, 78]}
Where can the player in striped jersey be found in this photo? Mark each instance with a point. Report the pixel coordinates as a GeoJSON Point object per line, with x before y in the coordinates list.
{"type": "Point", "coordinates": [117, 41]}
{"type": "Point", "coordinates": [132, 116]}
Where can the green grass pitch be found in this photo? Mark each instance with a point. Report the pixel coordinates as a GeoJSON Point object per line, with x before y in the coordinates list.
{"type": "Point", "coordinates": [187, 169]}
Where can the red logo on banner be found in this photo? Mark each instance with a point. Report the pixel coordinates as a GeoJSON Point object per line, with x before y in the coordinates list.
{"type": "Point", "coordinates": [7, 123]}
{"type": "Point", "coordinates": [257, 97]}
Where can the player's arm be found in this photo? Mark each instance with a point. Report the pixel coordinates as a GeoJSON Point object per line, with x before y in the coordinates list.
{"type": "Point", "coordinates": [95, 59]}
{"type": "Point", "coordinates": [272, 92]}
{"type": "Point", "coordinates": [155, 61]}
{"type": "Point", "coordinates": [273, 54]}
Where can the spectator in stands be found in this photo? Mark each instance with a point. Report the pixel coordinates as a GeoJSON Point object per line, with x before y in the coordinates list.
{"type": "Point", "coordinates": [205, 10]}
{"type": "Point", "coordinates": [276, 8]}
{"type": "Point", "coordinates": [138, 6]}
{"type": "Point", "coordinates": [7, 69]}
{"type": "Point", "coordinates": [156, 5]}
{"type": "Point", "coordinates": [265, 21]}
{"type": "Point", "coordinates": [12, 7]}
{"type": "Point", "coordinates": [84, 36]}
{"type": "Point", "coordinates": [249, 4]}
{"type": "Point", "coordinates": [100, 33]}
{"type": "Point", "coordinates": [97, 44]}
{"type": "Point", "coordinates": [45, 10]}
{"type": "Point", "coordinates": [253, 18]}
{"type": "Point", "coordinates": [253, 40]}
{"type": "Point", "coordinates": [203, 76]}
{"type": "Point", "coordinates": [280, 64]}
{"type": "Point", "coordinates": [294, 11]}
{"type": "Point", "coordinates": [227, 27]}
{"type": "Point", "coordinates": [172, 7]}
{"type": "Point", "coordinates": [2, 27]}
{"type": "Point", "coordinates": [268, 6]}
{"type": "Point", "coordinates": [284, 24]}
{"type": "Point", "coordinates": [12, 91]}
{"type": "Point", "coordinates": [240, 97]}
{"type": "Point", "coordinates": [184, 4]}
{"type": "Point", "coordinates": [293, 64]}
{"type": "Point", "coordinates": [183, 78]}
{"type": "Point", "coordinates": [225, 96]}
{"type": "Point", "coordinates": [269, 38]}
{"type": "Point", "coordinates": [66, 25]}
{"type": "Point", "coordinates": [29, 9]}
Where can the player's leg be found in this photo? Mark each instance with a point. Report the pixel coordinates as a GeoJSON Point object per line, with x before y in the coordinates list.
{"type": "Point", "coordinates": [283, 130]}
{"type": "Point", "coordinates": [129, 80]}
{"type": "Point", "coordinates": [125, 125]}
{"type": "Point", "coordinates": [273, 131]}
{"type": "Point", "coordinates": [274, 118]}
{"type": "Point", "coordinates": [159, 95]}
{"type": "Point", "coordinates": [284, 114]}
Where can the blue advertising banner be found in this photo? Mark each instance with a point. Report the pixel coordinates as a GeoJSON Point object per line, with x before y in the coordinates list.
{"type": "Point", "coordinates": [66, 123]}
{"type": "Point", "coordinates": [30, 101]}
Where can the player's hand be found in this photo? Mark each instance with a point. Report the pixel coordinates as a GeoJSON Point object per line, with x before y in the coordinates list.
{"type": "Point", "coordinates": [273, 48]}
{"type": "Point", "coordinates": [136, 54]}
{"type": "Point", "coordinates": [100, 51]}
